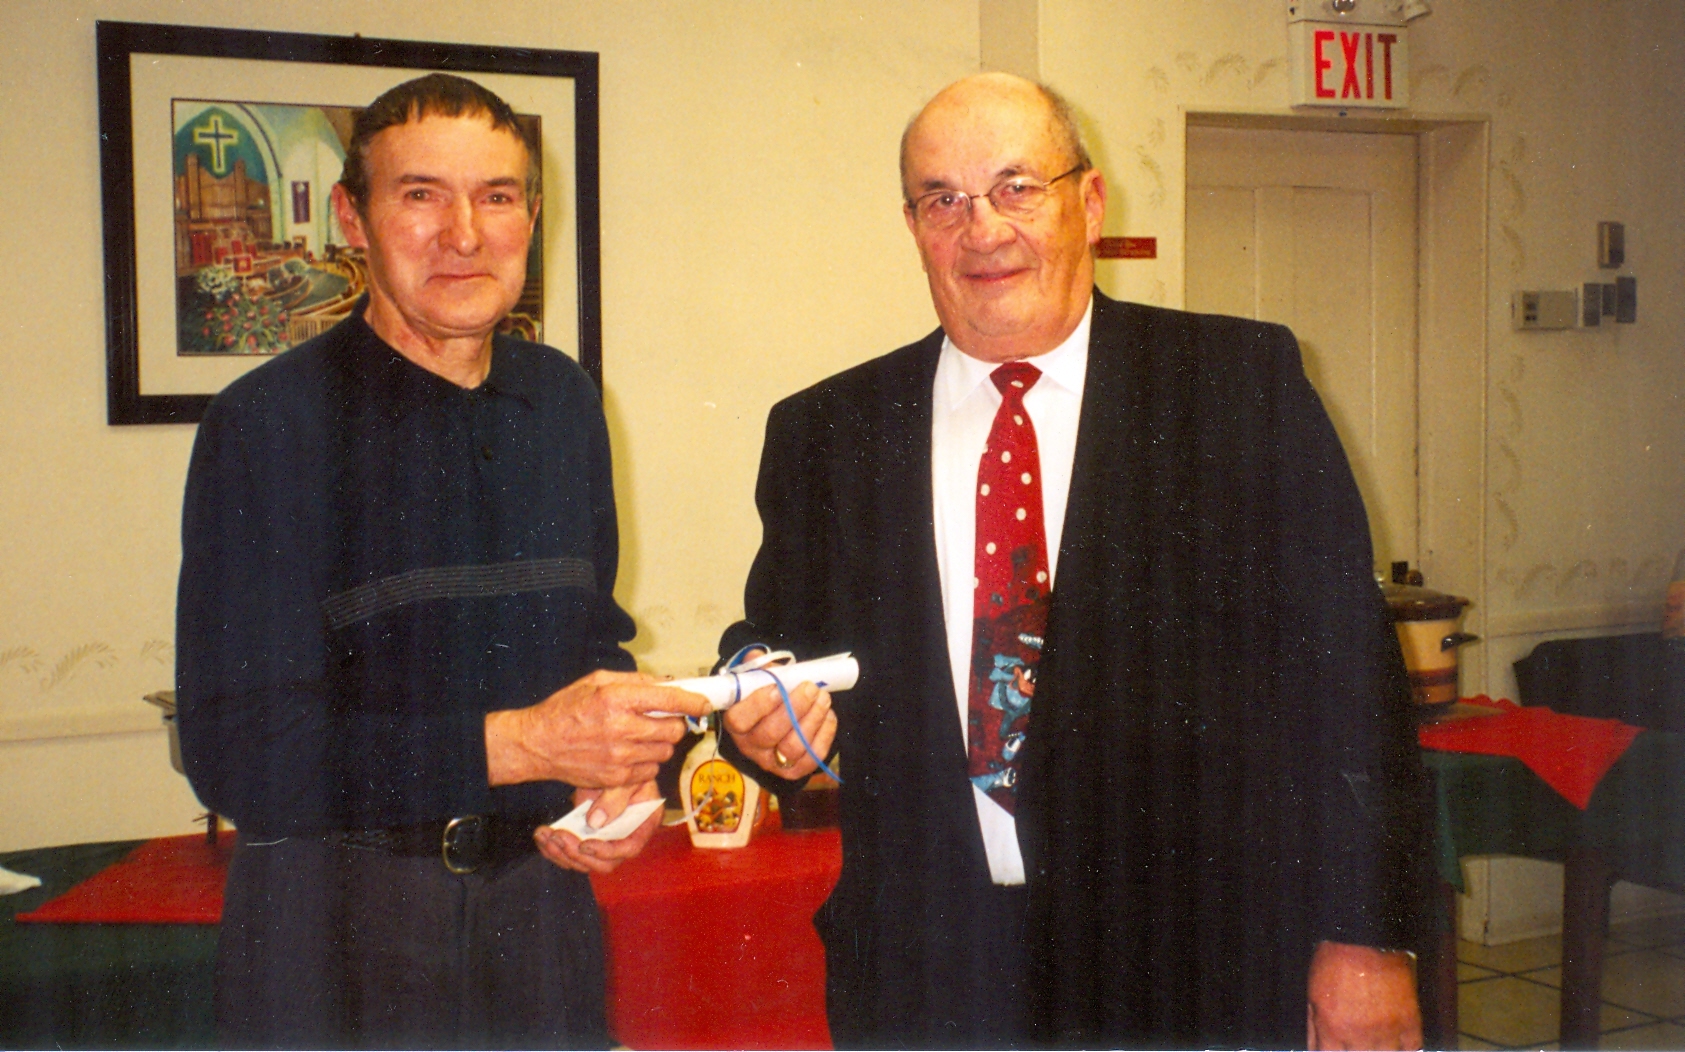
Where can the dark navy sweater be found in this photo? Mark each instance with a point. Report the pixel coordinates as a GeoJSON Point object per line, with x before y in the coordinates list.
{"type": "Point", "coordinates": [373, 558]}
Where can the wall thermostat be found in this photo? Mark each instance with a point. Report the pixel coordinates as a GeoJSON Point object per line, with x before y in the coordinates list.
{"type": "Point", "coordinates": [1544, 309]}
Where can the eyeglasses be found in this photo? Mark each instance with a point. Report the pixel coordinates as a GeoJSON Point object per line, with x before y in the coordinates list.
{"type": "Point", "coordinates": [1017, 197]}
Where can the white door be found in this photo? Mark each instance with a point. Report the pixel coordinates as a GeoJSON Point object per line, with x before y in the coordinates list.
{"type": "Point", "coordinates": [1317, 231]}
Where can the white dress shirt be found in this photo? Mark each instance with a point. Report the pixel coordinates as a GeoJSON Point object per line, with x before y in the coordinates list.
{"type": "Point", "coordinates": [963, 412]}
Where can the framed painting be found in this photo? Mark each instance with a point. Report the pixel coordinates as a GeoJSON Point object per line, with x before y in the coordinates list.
{"type": "Point", "coordinates": [218, 150]}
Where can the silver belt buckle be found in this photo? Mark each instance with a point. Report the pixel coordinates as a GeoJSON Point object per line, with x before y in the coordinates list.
{"type": "Point", "coordinates": [464, 836]}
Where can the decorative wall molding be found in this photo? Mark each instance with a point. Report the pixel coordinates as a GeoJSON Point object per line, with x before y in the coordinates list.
{"type": "Point", "coordinates": [90, 688]}
{"type": "Point", "coordinates": [49, 675]}
{"type": "Point", "coordinates": [76, 721]}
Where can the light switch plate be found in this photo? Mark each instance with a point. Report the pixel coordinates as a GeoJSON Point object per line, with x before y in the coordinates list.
{"type": "Point", "coordinates": [1591, 305]}
{"type": "Point", "coordinates": [1626, 300]}
{"type": "Point", "coordinates": [1611, 245]}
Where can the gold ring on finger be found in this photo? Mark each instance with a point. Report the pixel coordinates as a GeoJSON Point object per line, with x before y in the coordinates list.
{"type": "Point", "coordinates": [779, 758]}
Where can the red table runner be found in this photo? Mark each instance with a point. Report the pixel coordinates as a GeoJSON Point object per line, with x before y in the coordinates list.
{"type": "Point", "coordinates": [172, 880]}
{"type": "Point", "coordinates": [1570, 753]}
{"type": "Point", "coordinates": [716, 948]}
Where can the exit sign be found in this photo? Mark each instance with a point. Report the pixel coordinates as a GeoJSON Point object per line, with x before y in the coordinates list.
{"type": "Point", "coordinates": [1344, 64]}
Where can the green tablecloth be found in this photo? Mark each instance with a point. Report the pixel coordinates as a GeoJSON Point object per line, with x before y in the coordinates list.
{"type": "Point", "coordinates": [99, 985]}
{"type": "Point", "coordinates": [1489, 805]}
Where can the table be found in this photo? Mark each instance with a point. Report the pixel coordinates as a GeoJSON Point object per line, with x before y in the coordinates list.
{"type": "Point", "coordinates": [99, 985]}
{"type": "Point", "coordinates": [1633, 829]}
{"type": "Point", "coordinates": [685, 926]}
{"type": "Point", "coordinates": [707, 949]}
{"type": "Point", "coordinates": [716, 948]}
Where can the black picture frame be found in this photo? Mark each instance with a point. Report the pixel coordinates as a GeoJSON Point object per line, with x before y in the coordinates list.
{"type": "Point", "coordinates": [117, 42]}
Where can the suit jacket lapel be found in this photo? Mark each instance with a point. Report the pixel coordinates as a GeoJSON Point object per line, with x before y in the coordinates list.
{"type": "Point", "coordinates": [918, 592]}
{"type": "Point", "coordinates": [1099, 550]}
{"type": "Point", "coordinates": [933, 757]}
{"type": "Point", "coordinates": [1099, 510]}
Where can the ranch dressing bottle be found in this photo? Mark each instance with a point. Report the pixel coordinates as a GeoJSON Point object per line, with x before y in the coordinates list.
{"type": "Point", "coordinates": [722, 806]}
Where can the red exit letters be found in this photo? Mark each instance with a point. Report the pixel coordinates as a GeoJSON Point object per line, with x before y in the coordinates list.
{"type": "Point", "coordinates": [1344, 65]}
{"type": "Point", "coordinates": [1356, 56]}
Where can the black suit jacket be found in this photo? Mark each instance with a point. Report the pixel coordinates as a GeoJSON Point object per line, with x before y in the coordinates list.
{"type": "Point", "coordinates": [1220, 768]}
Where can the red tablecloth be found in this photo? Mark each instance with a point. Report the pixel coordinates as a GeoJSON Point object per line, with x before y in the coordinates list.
{"type": "Point", "coordinates": [1570, 753]}
{"type": "Point", "coordinates": [716, 948]}
{"type": "Point", "coordinates": [171, 880]}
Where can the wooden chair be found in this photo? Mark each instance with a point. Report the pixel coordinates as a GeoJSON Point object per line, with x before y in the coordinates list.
{"type": "Point", "coordinates": [1637, 679]}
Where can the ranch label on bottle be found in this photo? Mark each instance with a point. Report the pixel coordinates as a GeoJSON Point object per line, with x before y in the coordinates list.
{"type": "Point", "coordinates": [721, 805]}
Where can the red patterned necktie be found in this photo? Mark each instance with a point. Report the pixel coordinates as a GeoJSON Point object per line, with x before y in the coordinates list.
{"type": "Point", "coordinates": [1012, 594]}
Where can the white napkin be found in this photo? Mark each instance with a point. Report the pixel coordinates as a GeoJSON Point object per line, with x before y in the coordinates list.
{"type": "Point", "coordinates": [12, 883]}
{"type": "Point", "coordinates": [619, 829]}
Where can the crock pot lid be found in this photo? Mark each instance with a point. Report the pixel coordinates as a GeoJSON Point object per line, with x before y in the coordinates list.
{"type": "Point", "coordinates": [1413, 603]}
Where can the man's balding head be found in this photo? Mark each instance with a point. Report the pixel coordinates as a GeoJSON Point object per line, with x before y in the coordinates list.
{"type": "Point", "coordinates": [1005, 286]}
{"type": "Point", "coordinates": [1062, 126]}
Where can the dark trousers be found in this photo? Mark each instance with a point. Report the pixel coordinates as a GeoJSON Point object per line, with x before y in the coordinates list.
{"type": "Point", "coordinates": [326, 945]}
{"type": "Point", "coordinates": [956, 985]}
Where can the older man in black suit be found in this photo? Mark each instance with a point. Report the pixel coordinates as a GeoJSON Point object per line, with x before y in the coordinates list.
{"type": "Point", "coordinates": [1130, 761]}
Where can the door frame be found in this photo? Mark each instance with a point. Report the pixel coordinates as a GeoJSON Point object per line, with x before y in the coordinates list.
{"type": "Point", "coordinates": [1451, 297]}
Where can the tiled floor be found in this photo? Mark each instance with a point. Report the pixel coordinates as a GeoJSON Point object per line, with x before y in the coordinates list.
{"type": "Point", "coordinates": [1508, 995]}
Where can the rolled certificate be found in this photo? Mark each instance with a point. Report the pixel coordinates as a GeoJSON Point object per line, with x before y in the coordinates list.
{"type": "Point", "coordinates": [834, 673]}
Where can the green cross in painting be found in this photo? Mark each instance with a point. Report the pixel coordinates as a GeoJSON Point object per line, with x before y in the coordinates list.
{"type": "Point", "coordinates": [219, 139]}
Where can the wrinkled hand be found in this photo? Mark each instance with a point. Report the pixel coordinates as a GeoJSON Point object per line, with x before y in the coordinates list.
{"type": "Point", "coordinates": [600, 856]}
{"type": "Point", "coordinates": [593, 733]}
{"type": "Point", "coordinates": [762, 730]}
{"type": "Point", "coordinates": [1360, 997]}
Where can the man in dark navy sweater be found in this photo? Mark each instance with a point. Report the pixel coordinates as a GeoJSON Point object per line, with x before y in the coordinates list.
{"type": "Point", "coordinates": [399, 650]}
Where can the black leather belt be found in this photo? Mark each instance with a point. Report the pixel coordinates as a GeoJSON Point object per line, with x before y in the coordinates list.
{"type": "Point", "coordinates": [465, 844]}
